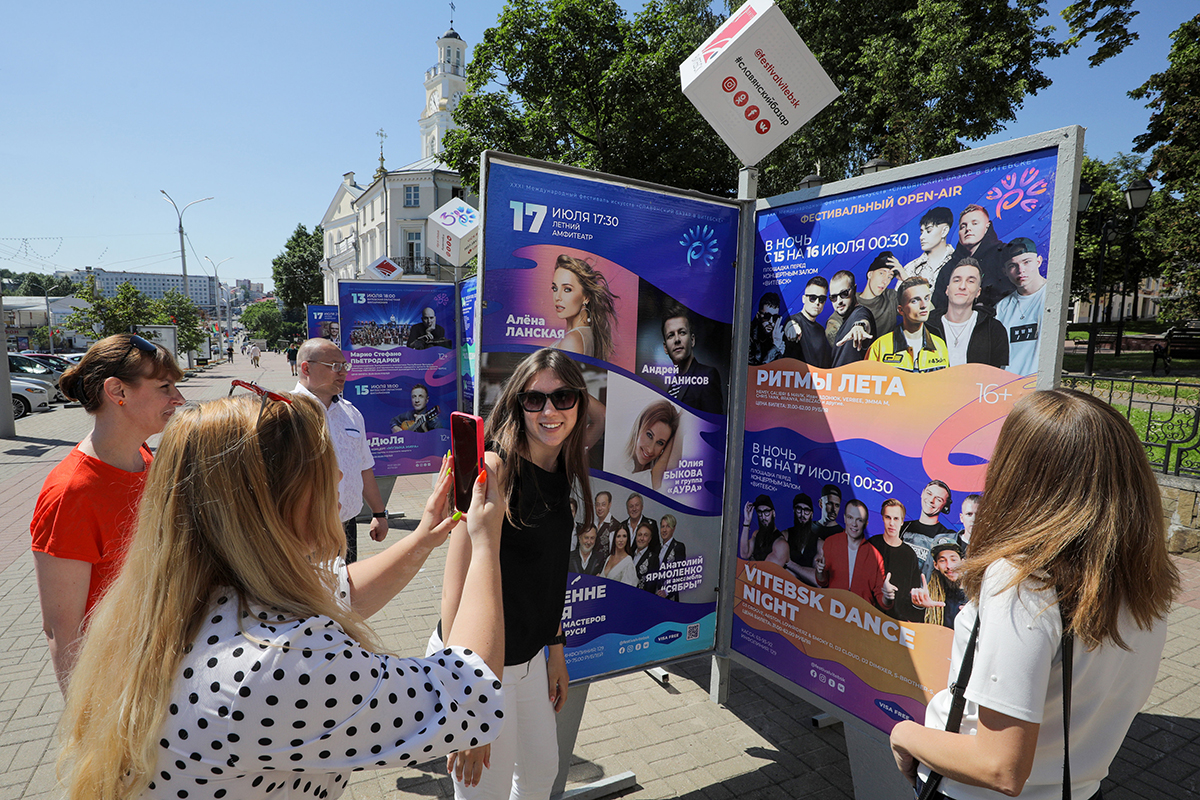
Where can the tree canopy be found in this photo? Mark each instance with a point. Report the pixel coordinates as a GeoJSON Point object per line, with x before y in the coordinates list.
{"type": "Point", "coordinates": [129, 308]}
{"type": "Point", "coordinates": [262, 320]}
{"type": "Point", "coordinates": [575, 81]}
{"type": "Point", "coordinates": [1173, 140]}
{"type": "Point", "coordinates": [297, 270]}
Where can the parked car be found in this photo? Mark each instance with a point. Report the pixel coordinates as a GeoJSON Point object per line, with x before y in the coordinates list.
{"type": "Point", "coordinates": [19, 365]}
{"type": "Point", "coordinates": [28, 397]}
{"type": "Point", "coordinates": [54, 362]}
{"type": "Point", "coordinates": [73, 358]}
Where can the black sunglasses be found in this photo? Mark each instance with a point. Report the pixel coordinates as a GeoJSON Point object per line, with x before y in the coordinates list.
{"type": "Point", "coordinates": [842, 295]}
{"type": "Point", "coordinates": [141, 344]}
{"type": "Point", "coordinates": [815, 298]}
{"type": "Point", "coordinates": [562, 399]}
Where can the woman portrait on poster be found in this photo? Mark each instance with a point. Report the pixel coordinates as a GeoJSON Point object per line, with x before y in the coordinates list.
{"type": "Point", "coordinates": [587, 307]}
{"type": "Point", "coordinates": [1068, 540]}
{"type": "Point", "coordinates": [619, 566]}
{"type": "Point", "coordinates": [645, 556]}
{"type": "Point", "coordinates": [652, 442]}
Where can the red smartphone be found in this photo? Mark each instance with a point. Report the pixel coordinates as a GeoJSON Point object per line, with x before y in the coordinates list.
{"type": "Point", "coordinates": [466, 448]}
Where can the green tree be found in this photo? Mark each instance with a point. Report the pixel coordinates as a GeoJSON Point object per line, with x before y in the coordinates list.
{"type": "Point", "coordinates": [40, 339]}
{"type": "Point", "coordinates": [176, 308]}
{"type": "Point", "coordinates": [574, 81]}
{"type": "Point", "coordinates": [34, 284]}
{"type": "Point", "coordinates": [105, 316]}
{"type": "Point", "coordinates": [1173, 139]}
{"type": "Point", "coordinates": [262, 320]}
{"type": "Point", "coordinates": [297, 270]}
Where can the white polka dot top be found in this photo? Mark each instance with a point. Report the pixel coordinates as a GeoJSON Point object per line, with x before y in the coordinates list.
{"type": "Point", "coordinates": [295, 716]}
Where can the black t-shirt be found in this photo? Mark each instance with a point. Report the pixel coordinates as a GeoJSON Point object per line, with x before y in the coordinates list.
{"type": "Point", "coordinates": [802, 544]}
{"type": "Point", "coordinates": [763, 541]}
{"type": "Point", "coordinates": [825, 531]}
{"type": "Point", "coordinates": [902, 563]}
{"type": "Point", "coordinates": [533, 559]}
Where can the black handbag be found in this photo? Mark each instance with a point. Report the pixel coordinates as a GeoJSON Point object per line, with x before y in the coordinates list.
{"type": "Point", "coordinates": [958, 690]}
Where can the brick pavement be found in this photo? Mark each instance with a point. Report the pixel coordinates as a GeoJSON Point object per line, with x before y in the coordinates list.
{"type": "Point", "coordinates": [757, 745]}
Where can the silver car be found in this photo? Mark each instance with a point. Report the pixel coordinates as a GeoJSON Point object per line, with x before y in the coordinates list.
{"type": "Point", "coordinates": [24, 366]}
{"type": "Point", "coordinates": [29, 396]}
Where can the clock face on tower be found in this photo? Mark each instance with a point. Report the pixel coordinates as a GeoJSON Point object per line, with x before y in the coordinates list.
{"type": "Point", "coordinates": [455, 99]}
{"type": "Point", "coordinates": [433, 101]}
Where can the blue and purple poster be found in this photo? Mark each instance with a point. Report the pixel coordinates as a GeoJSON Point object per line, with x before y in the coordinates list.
{"type": "Point", "coordinates": [468, 292]}
{"type": "Point", "coordinates": [892, 330]}
{"type": "Point", "coordinates": [323, 322]}
{"type": "Point", "coordinates": [638, 285]}
{"type": "Point", "coordinates": [399, 340]}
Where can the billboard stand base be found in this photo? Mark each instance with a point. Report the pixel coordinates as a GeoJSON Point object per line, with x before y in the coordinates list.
{"type": "Point", "coordinates": [568, 730]}
{"type": "Point", "coordinates": [718, 680]}
{"type": "Point", "coordinates": [824, 720]}
{"type": "Point", "coordinates": [866, 753]}
{"type": "Point", "coordinates": [659, 674]}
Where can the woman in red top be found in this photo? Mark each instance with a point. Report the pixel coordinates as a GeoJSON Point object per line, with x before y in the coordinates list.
{"type": "Point", "coordinates": [88, 504]}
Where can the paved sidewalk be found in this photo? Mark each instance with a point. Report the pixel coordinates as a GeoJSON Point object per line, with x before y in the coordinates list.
{"type": "Point", "coordinates": [758, 745]}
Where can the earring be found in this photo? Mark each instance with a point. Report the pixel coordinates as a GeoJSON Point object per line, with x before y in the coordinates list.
{"type": "Point", "coordinates": [120, 402]}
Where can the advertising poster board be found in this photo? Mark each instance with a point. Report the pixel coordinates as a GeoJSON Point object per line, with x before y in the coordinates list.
{"type": "Point", "coordinates": [469, 353]}
{"type": "Point", "coordinates": [658, 259]}
{"type": "Point", "coordinates": [836, 433]}
{"type": "Point", "coordinates": [323, 322]}
{"type": "Point", "coordinates": [399, 340]}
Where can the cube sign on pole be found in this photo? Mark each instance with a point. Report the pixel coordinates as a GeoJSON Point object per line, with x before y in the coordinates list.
{"type": "Point", "coordinates": [456, 232]}
{"type": "Point", "coordinates": [755, 81]}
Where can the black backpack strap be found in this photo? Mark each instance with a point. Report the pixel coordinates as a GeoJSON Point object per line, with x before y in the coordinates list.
{"type": "Point", "coordinates": [1068, 646]}
{"type": "Point", "coordinates": [958, 690]}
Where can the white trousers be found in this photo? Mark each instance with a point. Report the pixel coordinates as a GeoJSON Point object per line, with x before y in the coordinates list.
{"type": "Point", "coordinates": [524, 757]}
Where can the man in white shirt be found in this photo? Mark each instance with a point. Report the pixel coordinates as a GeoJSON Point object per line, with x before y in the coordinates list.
{"type": "Point", "coordinates": [1020, 311]}
{"type": "Point", "coordinates": [323, 370]}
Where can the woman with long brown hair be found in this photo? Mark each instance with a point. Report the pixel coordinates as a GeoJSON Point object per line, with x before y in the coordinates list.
{"type": "Point", "coordinates": [1068, 540]}
{"type": "Point", "coordinates": [231, 657]}
{"type": "Point", "coordinates": [88, 503]}
{"type": "Point", "coordinates": [536, 436]}
{"type": "Point", "coordinates": [586, 305]}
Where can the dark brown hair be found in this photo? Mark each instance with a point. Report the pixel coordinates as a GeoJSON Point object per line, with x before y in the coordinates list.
{"type": "Point", "coordinates": [115, 357]}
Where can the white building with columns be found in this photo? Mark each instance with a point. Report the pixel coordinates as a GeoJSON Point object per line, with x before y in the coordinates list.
{"type": "Point", "coordinates": [389, 217]}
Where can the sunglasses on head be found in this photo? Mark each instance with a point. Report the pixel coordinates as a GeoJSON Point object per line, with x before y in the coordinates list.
{"type": "Point", "coordinates": [141, 344]}
{"type": "Point", "coordinates": [815, 298]}
{"type": "Point", "coordinates": [265, 394]}
{"type": "Point", "coordinates": [562, 399]}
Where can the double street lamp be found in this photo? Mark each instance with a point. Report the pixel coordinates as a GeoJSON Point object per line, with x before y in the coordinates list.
{"type": "Point", "coordinates": [228, 303]}
{"type": "Point", "coordinates": [182, 254]}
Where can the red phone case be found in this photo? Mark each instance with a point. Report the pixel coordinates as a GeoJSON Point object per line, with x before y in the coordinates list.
{"type": "Point", "coordinates": [464, 474]}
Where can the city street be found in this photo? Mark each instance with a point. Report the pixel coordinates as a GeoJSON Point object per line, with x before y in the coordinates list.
{"type": "Point", "coordinates": [760, 744]}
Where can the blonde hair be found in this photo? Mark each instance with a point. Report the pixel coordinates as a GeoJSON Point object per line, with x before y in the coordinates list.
{"type": "Point", "coordinates": [1070, 500]}
{"type": "Point", "coordinates": [218, 511]}
{"type": "Point", "coordinates": [659, 411]}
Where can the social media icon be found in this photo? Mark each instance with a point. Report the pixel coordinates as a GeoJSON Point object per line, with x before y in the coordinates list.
{"type": "Point", "coordinates": [751, 112]}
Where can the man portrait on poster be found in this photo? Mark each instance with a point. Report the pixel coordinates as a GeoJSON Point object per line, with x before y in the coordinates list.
{"type": "Point", "coordinates": [766, 340]}
{"type": "Point", "coordinates": [421, 418]}
{"type": "Point", "coordinates": [693, 384]}
{"type": "Point", "coordinates": [899, 561]}
{"type": "Point", "coordinates": [427, 333]}
{"type": "Point", "coordinates": [846, 561]}
{"type": "Point", "coordinates": [850, 329]}
{"type": "Point", "coordinates": [923, 533]}
{"type": "Point", "coordinates": [1020, 311]}
{"type": "Point", "coordinates": [972, 334]}
{"type": "Point", "coordinates": [878, 296]}
{"type": "Point", "coordinates": [935, 249]}
{"type": "Point", "coordinates": [830, 503]}
{"type": "Point", "coordinates": [585, 559]}
{"type": "Point", "coordinates": [796, 549]}
{"type": "Point", "coordinates": [912, 347]}
{"type": "Point", "coordinates": [803, 337]}
{"type": "Point", "coordinates": [757, 545]}
{"type": "Point", "coordinates": [977, 239]}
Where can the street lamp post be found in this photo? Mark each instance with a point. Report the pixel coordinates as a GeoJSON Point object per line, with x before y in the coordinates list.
{"type": "Point", "coordinates": [1136, 198]}
{"type": "Point", "coordinates": [182, 254]}
{"type": "Point", "coordinates": [228, 308]}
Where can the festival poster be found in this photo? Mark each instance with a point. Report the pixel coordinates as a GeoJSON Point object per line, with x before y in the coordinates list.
{"type": "Point", "coordinates": [399, 339]}
{"type": "Point", "coordinates": [892, 330]}
{"type": "Point", "coordinates": [323, 322]}
{"type": "Point", "coordinates": [638, 284]}
{"type": "Point", "coordinates": [469, 352]}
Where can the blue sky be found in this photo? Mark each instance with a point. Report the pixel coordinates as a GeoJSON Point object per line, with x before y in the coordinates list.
{"type": "Point", "coordinates": [264, 105]}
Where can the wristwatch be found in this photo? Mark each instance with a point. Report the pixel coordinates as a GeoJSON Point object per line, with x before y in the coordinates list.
{"type": "Point", "coordinates": [380, 514]}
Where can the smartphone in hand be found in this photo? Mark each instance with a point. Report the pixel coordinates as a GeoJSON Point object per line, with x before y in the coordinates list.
{"type": "Point", "coordinates": [466, 447]}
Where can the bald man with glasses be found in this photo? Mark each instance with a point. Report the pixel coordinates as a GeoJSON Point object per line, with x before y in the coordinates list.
{"type": "Point", "coordinates": [323, 370]}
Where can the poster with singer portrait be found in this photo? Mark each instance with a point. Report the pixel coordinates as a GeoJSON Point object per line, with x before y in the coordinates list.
{"type": "Point", "coordinates": [637, 284]}
{"type": "Point", "coordinates": [399, 340]}
{"type": "Point", "coordinates": [892, 330]}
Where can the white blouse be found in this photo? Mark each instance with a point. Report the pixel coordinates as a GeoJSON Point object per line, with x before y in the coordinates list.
{"type": "Point", "coordinates": [291, 707]}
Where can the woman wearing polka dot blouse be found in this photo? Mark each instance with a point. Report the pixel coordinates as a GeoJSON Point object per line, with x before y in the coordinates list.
{"type": "Point", "coordinates": [223, 663]}
{"type": "Point", "coordinates": [536, 434]}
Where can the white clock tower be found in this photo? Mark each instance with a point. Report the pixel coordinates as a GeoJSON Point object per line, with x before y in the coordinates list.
{"type": "Point", "coordinates": [445, 83]}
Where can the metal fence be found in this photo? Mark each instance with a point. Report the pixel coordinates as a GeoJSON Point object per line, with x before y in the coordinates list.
{"type": "Point", "coordinates": [1165, 414]}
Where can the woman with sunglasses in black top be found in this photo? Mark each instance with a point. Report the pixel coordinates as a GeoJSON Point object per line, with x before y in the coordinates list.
{"type": "Point", "coordinates": [536, 448]}
{"type": "Point", "coordinates": [88, 503]}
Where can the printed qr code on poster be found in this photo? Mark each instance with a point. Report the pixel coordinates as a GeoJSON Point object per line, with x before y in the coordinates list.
{"type": "Point", "coordinates": [693, 631]}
